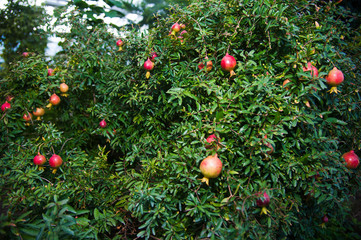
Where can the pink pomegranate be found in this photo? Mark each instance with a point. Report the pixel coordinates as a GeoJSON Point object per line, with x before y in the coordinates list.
{"type": "Point", "coordinates": [148, 65]}
{"type": "Point", "coordinates": [228, 63]}
{"type": "Point", "coordinates": [210, 167]}
{"type": "Point", "coordinates": [334, 78]}
{"type": "Point", "coordinates": [5, 106]}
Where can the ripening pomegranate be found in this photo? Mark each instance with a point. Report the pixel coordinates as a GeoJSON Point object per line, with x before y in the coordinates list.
{"type": "Point", "coordinates": [54, 99]}
{"type": "Point", "coordinates": [228, 63]}
{"type": "Point", "coordinates": [39, 159]}
{"type": "Point", "coordinates": [312, 69]}
{"type": "Point", "coordinates": [63, 87]}
{"type": "Point", "coordinates": [39, 112]}
{"type": "Point", "coordinates": [55, 161]}
{"type": "Point", "coordinates": [175, 28]}
{"type": "Point", "coordinates": [210, 167]}
{"type": "Point", "coordinates": [334, 78]}
{"type": "Point", "coordinates": [352, 160]}
{"type": "Point", "coordinates": [50, 72]}
{"type": "Point", "coordinates": [5, 106]}
{"type": "Point", "coordinates": [103, 123]}
{"type": "Point", "coordinates": [263, 202]}
{"type": "Point", "coordinates": [120, 44]}
{"type": "Point", "coordinates": [9, 98]}
{"type": "Point", "coordinates": [148, 65]}
{"type": "Point", "coordinates": [25, 54]}
{"type": "Point", "coordinates": [183, 26]}
{"type": "Point", "coordinates": [284, 83]}
{"type": "Point", "coordinates": [27, 117]}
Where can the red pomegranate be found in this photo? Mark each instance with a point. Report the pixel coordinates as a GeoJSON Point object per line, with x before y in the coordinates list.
{"type": "Point", "coordinates": [175, 28]}
{"type": "Point", "coordinates": [352, 160]}
{"type": "Point", "coordinates": [263, 201]}
{"type": "Point", "coordinates": [27, 117]}
{"type": "Point", "coordinates": [228, 63]}
{"type": "Point", "coordinates": [50, 72]}
{"type": "Point", "coordinates": [55, 161]}
{"type": "Point", "coordinates": [211, 138]}
{"type": "Point", "coordinates": [210, 167]}
{"type": "Point", "coordinates": [148, 65]}
{"type": "Point", "coordinates": [312, 69]}
{"type": "Point", "coordinates": [103, 123]}
{"type": "Point", "coordinates": [5, 106]}
{"type": "Point", "coordinates": [325, 219]}
{"type": "Point", "coordinates": [153, 56]}
{"type": "Point", "coordinates": [25, 54]}
{"type": "Point", "coordinates": [39, 159]}
{"type": "Point", "coordinates": [334, 78]}
{"type": "Point", "coordinates": [120, 44]}
{"type": "Point", "coordinates": [9, 98]}
{"type": "Point", "coordinates": [54, 99]}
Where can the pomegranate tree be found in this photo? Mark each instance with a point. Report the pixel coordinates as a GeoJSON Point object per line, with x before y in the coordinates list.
{"type": "Point", "coordinates": [210, 167]}
{"type": "Point", "coordinates": [228, 63]}
{"type": "Point", "coordinates": [334, 78]}
{"type": "Point", "coordinates": [103, 123]}
{"type": "Point", "coordinates": [5, 106]}
{"type": "Point", "coordinates": [263, 202]}
{"type": "Point", "coordinates": [148, 65]}
{"type": "Point", "coordinates": [352, 160]}
{"type": "Point", "coordinates": [120, 45]}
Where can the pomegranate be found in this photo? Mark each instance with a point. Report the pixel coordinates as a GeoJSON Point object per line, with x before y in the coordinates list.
{"type": "Point", "coordinates": [175, 28]}
{"type": "Point", "coordinates": [54, 99]}
{"type": "Point", "coordinates": [352, 160]}
{"type": "Point", "coordinates": [63, 87]}
{"type": "Point", "coordinates": [284, 83]}
{"type": "Point", "coordinates": [211, 138]}
{"type": "Point", "coordinates": [120, 44]}
{"type": "Point", "coordinates": [25, 54]}
{"type": "Point", "coordinates": [39, 112]}
{"type": "Point", "coordinates": [50, 72]}
{"type": "Point", "coordinates": [9, 98]}
{"type": "Point", "coordinates": [5, 106]}
{"type": "Point", "coordinates": [200, 66]}
{"type": "Point", "coordinates": [228, 63]}
{"type": "Point", "coordinates": [334, 78]}
{"type": "Point", "coordinates": [269, 145]}
{"type": "Point", "coordinates": [148, 65]}
{"type": "Point", "coordinates": [103, 123]}
{"type": "Point", "coordinates": [55, 161]}
{"type": "Point", "coordinates": [182, 26]}
{"type": "Point", "coordinates": [39, 159]}
{"type": "Point", "coordinates": [153, 56]}
{"type": "Point", "coordinates": [325, 219]}
{"type": "Point", "coordinates": [312, 69]}
{"type": "Point", "coordinates": [210, 167]}
{"type": "Point", "coordinates": [263, 202]}
{"type": "Point", "coordinates": [209, 65]}
{"type": "Point", "coordinates": [27, 117]}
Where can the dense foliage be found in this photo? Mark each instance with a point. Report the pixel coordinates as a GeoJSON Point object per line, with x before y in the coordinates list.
{"type": "Point", "coordinates": [138, 175]}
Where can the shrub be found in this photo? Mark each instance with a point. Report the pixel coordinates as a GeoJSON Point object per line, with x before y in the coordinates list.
{"type": "Point", "coordinates": [139, 176]}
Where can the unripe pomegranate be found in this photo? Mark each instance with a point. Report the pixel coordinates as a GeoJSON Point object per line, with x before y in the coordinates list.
{"type": "Point", "coordinates": [228, 63]}
{"type": "Point", "coordinates": [39, 159]}
{"type": "Point", "coordinates": [39, 112]}
{"type": "Point", "coordinates": [120, 44]}
{"type": "Point", "coordinates": [352, 160]}
{"type": "Point", "coordinates": [55, 161]}
{"type": "Point", "coordinates": [63, 87]}
{"type": "Point", "coordinates": [210, 167]}
{"type": "Point", "coordinates": [263, 202]}
{"type": "Point", "coordinates": [312, 69]}
{"type": "Point", "coordinates": [148, 65]}
{"type": "Point", "coordinates": [5, 106]}
{"type": "Point", "coordinates": [50, 72]}
{"type": "Point", "coordinates": [334, 78]}
{"type": "Point", "coordinates": [103, 123]}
